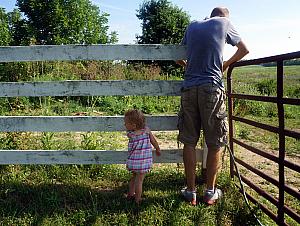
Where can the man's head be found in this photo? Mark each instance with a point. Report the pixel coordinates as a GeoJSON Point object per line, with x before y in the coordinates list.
{"type": "Point", "coordinates": [220, 11]}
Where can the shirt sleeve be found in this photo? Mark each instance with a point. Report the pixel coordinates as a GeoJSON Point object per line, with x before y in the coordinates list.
{"type": "Point", "coordinates": [232, 36]}
{"type": "Point", "coordinates": [184, 41]}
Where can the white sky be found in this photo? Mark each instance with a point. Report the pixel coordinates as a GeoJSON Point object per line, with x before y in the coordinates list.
{"type": "Point", "coordinates": [268, 27]}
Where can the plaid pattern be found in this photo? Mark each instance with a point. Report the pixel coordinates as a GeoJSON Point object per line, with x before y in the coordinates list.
{"type": "Point", "coordinates": [139, 152]}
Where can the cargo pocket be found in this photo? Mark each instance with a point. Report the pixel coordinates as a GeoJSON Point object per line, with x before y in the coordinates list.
{"type": "Point", "coordinates": [180, 120]}
{"type": "Point", "coordinates": [223, 127]}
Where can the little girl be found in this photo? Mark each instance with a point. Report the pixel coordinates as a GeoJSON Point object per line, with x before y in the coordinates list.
{"type": "Point", "coordinates": [139, 160]}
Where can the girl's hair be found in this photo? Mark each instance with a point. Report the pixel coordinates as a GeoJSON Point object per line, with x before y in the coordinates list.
{"type": "Point", "coordinates": [137, 117]}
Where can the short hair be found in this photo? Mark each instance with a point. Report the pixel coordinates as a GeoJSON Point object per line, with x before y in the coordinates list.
{"type": "Point", "coordinates": [220, 11]}
{"type": "Point", "coordinates": [137, 117]}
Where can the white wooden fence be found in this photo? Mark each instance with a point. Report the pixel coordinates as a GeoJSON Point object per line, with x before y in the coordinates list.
{"type": "Point", "coordinates": [86, 88]}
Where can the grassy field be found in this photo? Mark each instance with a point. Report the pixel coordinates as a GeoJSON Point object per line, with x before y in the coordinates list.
{"type": "Point", "coordinates": [93, 194]}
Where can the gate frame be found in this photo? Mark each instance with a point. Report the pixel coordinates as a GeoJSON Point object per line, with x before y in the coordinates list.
{"type": "Point", "coordinates": [282, 163]}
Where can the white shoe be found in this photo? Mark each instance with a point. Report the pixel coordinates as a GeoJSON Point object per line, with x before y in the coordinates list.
{"type": "Point", "coordinates": [211, 197]}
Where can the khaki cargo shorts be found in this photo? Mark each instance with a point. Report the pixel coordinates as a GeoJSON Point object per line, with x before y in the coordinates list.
{"type": "Point", "coordinates": [203, 107]}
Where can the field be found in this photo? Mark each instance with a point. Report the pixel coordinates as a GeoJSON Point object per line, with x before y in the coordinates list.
{"type": "Point", "coordinates": [93, 194]}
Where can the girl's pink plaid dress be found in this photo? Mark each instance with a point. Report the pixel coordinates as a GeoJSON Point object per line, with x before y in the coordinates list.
{"type": "Point", "coordinates": [139, 152]}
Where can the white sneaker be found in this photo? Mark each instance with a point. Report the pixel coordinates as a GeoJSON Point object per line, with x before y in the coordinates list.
{"type": "Point", "coordinates": [189, 196]}
{"type": "Point", "coordinates": [211, 197]}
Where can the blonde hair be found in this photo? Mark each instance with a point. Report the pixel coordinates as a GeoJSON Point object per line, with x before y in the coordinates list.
{"type": "Point", "coordinates": [220, 11]}
{"type": "Point", "coordinates": [137, 117]}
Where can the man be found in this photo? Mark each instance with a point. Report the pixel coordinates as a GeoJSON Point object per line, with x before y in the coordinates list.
{"type": "Point", "coordinates": [203, 96]}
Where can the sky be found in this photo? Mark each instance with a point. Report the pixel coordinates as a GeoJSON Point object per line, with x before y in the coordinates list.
{"type": "Point", "coordinates": [268, 27]}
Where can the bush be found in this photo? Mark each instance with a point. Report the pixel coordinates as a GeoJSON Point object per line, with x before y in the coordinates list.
{"type": "Point", "coordinates": [267, 87]}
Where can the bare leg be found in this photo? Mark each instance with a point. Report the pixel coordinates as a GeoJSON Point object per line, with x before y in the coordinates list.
{"type": "Point", "coordinates": [189, 160]}
{"type": "Point", "coordinates": [132, 185]}
{"type": "Point", "coordinates": [213, 159]}
{"type": "Point", "coordinates": [139, 186]}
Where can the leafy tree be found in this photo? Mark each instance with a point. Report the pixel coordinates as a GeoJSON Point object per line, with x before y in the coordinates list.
{"type": "Point", "coordinates": [162, 23]}
{"type": "Point", "coordinates": [65, 22]}
{"type": "Point", "coordinates": [5, 35]}
{"type": "Point", "coordinates": [19, 29]}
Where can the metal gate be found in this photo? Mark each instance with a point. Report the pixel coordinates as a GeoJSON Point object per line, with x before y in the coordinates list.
{"type": "Point", "coordinates": [280, 100]}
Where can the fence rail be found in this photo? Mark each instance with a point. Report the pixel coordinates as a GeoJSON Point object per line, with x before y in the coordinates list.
{"type": "Point", "coordinates": [80, 123]}
{"type": "Point", "coordinates": [91, 52]}
{"type": "Point", "coordinates": [86, 88]}
{"type": "Point", "coordinates": [91, 88]}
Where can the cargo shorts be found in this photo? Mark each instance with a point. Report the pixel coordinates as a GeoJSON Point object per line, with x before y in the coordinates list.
{"type": "Point", "coordinates": [203, 107]}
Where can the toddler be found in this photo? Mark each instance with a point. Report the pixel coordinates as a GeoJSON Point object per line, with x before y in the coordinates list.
{"type": "Point", "coordinates": [139, 160]}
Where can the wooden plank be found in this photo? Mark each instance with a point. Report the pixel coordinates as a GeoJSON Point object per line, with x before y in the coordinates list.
{"type": "Point", "coordinates": [91, 52]}
{"type": "Point", "coordinates": [82, 157]}
{"type": "Point", "coordinates": [91, 88]}
{"type": "Point", "coordinates": [80, 123]}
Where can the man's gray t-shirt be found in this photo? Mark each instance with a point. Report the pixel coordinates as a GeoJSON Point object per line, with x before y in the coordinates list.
{"type": "Point", "coordinates": [205, 42]}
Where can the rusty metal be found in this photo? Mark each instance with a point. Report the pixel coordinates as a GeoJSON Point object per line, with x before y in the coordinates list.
{"type": "Point", "coordinates": [270, 198]}
{"type": "Point", "coordinates": [282, 132]}
{"type": "Point", "coordinates": [258, 172]}
{"type": "Point", "coordinates": [273, 129]}
{"type": "Point", "coordinates": [291, 133]}
{"type": "Point", "coordinates": [262, 207]}
{"type": "Point", "coordinates": [280, 108]}
{"type": "Point", "coordinates": [230, 115]}
{"type": "Point", "coordinates": [292, 165]}
{"type": "Point", "coordinates": [288, 164]}
{"type": "Point", "coordinates": [290, 101]}
{"type": "Point", "coordinates": [260, 191]}
{"type": "Point", "coordinates": [256, 124]}
{"type": "Point", "coordinates": [256, 151]}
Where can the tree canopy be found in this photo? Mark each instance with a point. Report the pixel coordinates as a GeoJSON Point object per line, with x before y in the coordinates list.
{"type": "Point", "coordinates": [5, 35]}
{"type": "Point", "coordinates": [162, 22]}
{"type": "Point", "coordinates": [63, 22]}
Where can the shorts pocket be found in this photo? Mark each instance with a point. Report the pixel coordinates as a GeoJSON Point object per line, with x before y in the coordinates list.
{"type": "Point", "coordinates": [223, 127]}
{"type": "Point", "coordinates": [180, 120]}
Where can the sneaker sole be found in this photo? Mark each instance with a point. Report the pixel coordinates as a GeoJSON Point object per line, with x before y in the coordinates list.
{"type": "Point", "coordinates": [210, 202]}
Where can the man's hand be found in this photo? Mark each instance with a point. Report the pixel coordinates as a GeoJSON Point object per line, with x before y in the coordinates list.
{"type": "Point", "coordinates": [181, 63]}
{"type": "Point", "coordinates": [225, 66]}
{"type": "Point", "coordinates": [239, 54]}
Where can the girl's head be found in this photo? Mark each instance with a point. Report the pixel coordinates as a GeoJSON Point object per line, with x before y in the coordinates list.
{"type": "Point", "coordinates": [134, 120]}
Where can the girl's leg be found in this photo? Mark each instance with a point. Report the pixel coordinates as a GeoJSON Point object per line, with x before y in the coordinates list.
{"type": "Point", "coordinates": [132, 184]}
{"type": "Point", "coordinates": [139, 186]}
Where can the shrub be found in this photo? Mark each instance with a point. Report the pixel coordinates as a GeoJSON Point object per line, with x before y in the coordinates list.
{"type": "Point", "coordinates": [267, 87]}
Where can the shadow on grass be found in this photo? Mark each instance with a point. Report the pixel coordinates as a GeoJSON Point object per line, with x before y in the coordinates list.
{"type": "Point", "coordinates": [46, 200]}
{"type": "Point", "coordinates": [77, 204]}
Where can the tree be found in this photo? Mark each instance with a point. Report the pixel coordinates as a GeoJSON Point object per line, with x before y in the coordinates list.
{"type": "Point", "coordinates": [19, 29]}
{"type": "Point", "coordinates": [162, 23]}
{"type": "Point", "coordinates": [66, 22]}
{"type": "Point", "coordinates": [5, 35]}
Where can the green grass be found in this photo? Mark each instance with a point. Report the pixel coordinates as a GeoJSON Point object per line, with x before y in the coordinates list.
{"type": "Point", "coordinates": [93, 195]}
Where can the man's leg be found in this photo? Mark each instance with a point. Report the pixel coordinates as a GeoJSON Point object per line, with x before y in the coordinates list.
{"type": "Point", "coordinates": [212, 164]}
{"type": "Point", "coordinates": [189, 160]}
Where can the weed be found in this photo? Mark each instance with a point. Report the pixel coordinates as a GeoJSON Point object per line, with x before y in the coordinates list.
{"type": "Point", "coordinates": [47, 141]}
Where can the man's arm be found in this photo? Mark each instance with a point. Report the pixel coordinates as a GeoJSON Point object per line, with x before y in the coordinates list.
{"type": "Point", "coordinates": [181, 62]}
{"type": "Point", "coordinates": [239, 54]}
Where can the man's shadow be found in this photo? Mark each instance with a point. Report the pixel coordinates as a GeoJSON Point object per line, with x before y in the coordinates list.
{"type": "Point", "coordinates": [51, 199]}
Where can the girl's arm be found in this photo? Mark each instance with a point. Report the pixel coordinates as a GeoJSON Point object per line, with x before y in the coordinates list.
{"type": "Point", "coordinates": [154, 143]}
